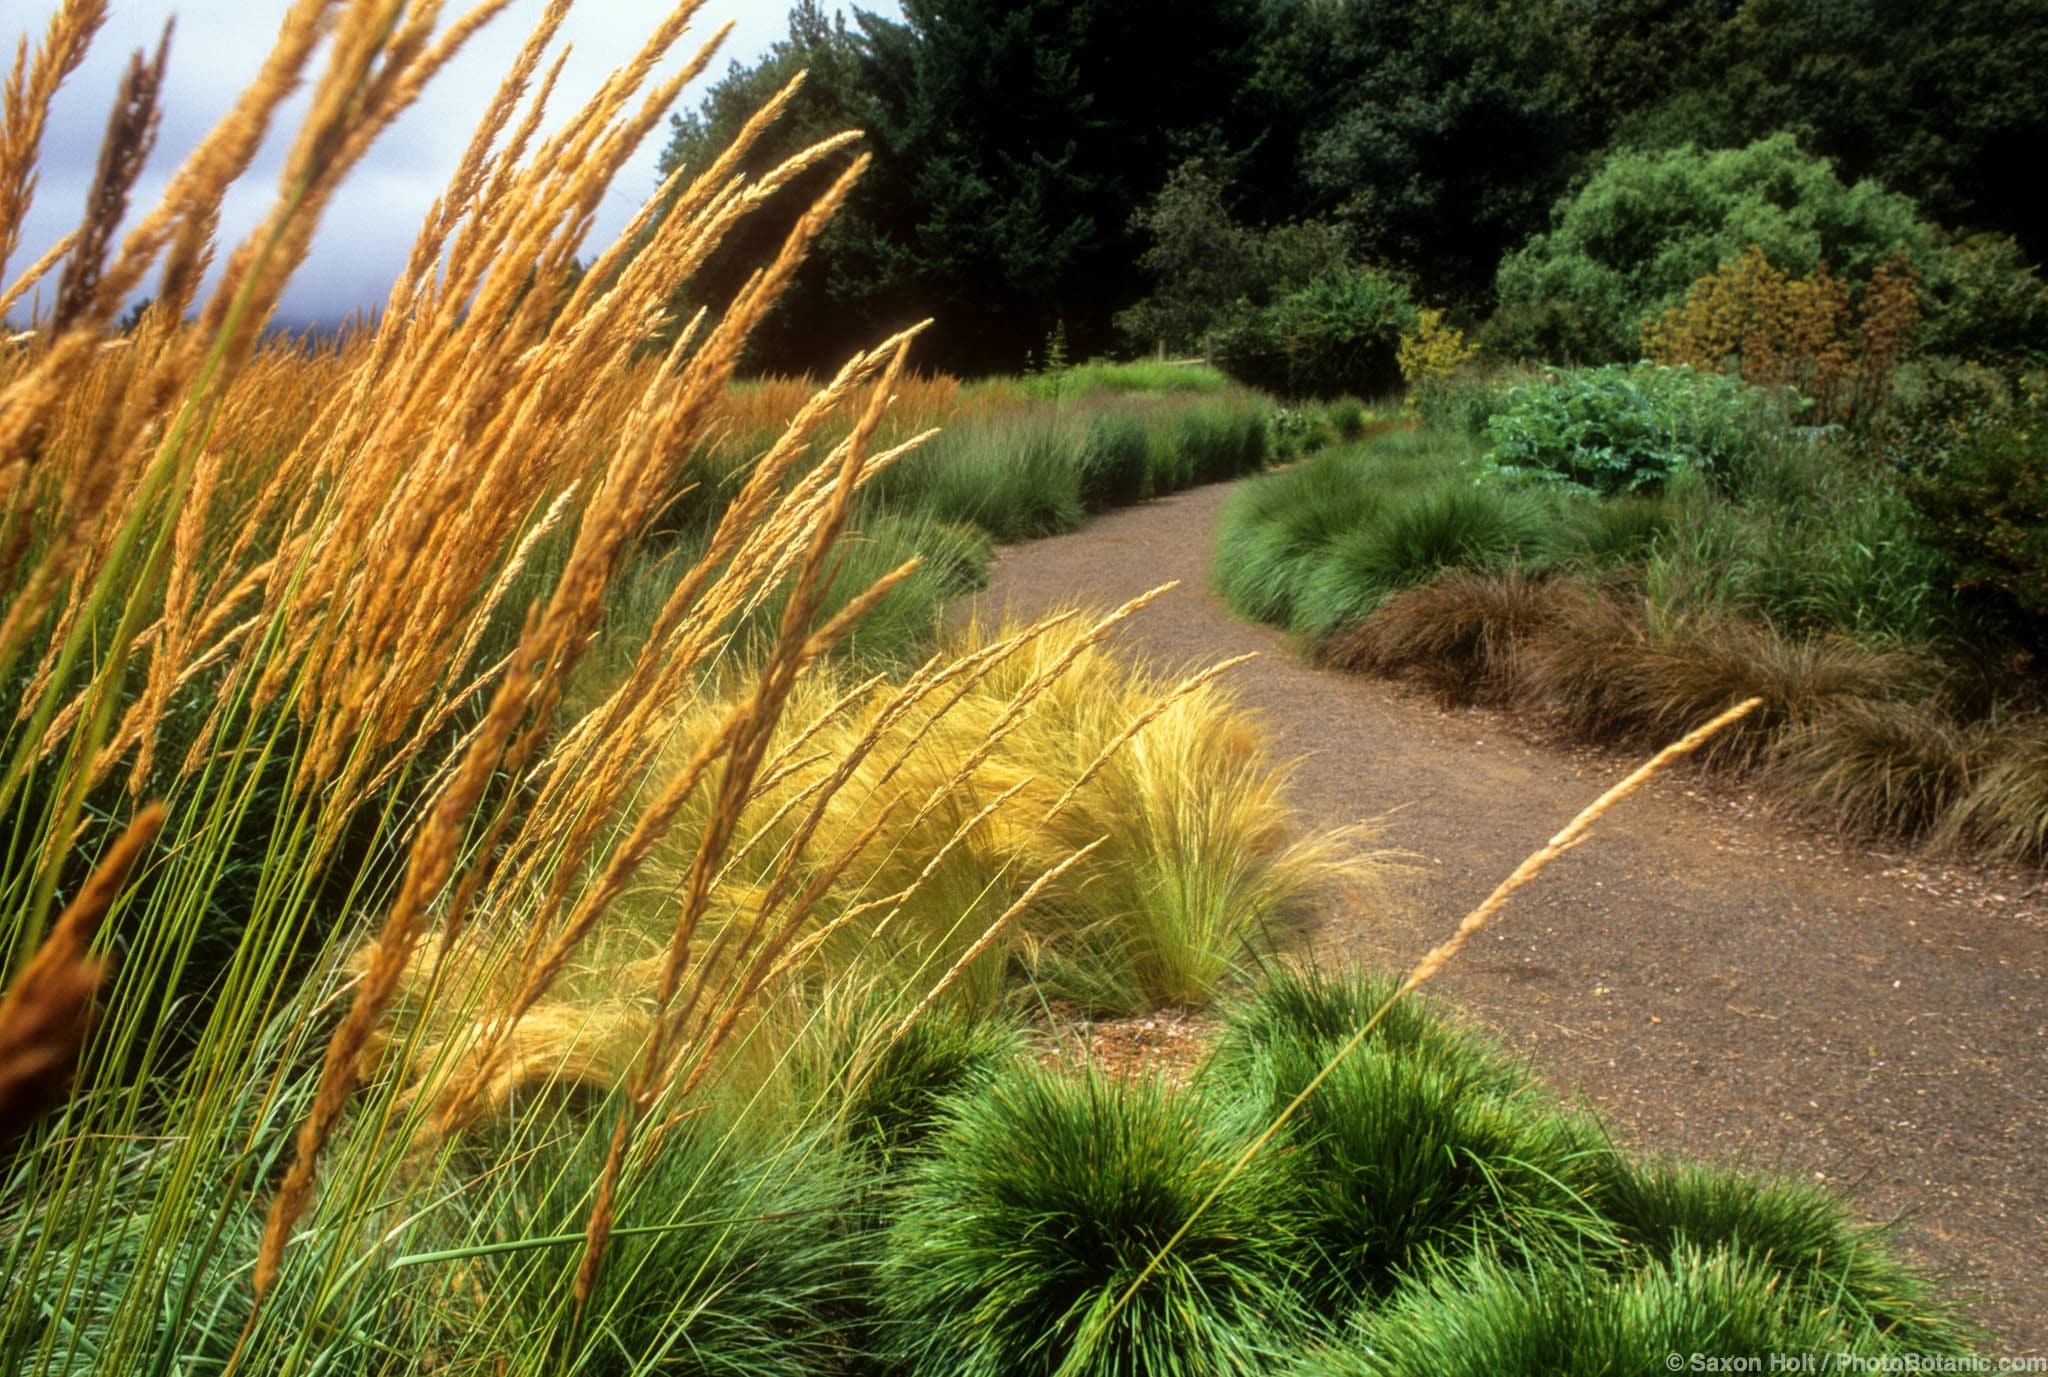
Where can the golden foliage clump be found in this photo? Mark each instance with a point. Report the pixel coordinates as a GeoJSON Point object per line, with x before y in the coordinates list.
{"type": "Point", "coordinates": [1810, 333]}
{"type": "Point", "coordinates": [1026, 797]}
{"type": "Point", "coordinates": [1432, 350]}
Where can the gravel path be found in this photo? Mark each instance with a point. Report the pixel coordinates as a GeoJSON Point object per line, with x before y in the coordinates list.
{"type": "Point", "coordinates": [1713, 980]}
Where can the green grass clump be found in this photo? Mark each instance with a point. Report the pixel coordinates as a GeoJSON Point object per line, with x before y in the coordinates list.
{"type": "Point", "coordinates": [1423, 1141]}
{"type": "Point", "coordinates": [730, 1253]}
{"type": "Point", "coordinates": [903, 625]}
{"type": "Point", "coordinates": [1274, 532]}
{"type": "Point", "coordinates": [1211, 441]}
{"type": "Point", "coordinates": [1320, 545]}
{"type": "Point", "coordinates": [1348, 416]}
{"type": "Point", "coordinates": [1596, 535]}
{"type": "Point", "coordinates": [1409, 540]}
{"type": "Point", "coordinates": [1113, 463]}
{"type": "Point", "coordinates": [1013, 476]}
{"type": "Point", "coordinates": [1143, 375]}
{"type": "Point", "coordinates": [1296, 1016]}
{"type": "Point", "coordinates": [892, 1091]}
{"type": "Point", "coordinates": [1485, 1318]}
{"type": "Point", "coordinates": [1042, 1200]}
{"type": "Point", "coordinates": [1830, 546]}
{"type": "Point", "coordinates": [1790, 1232]}
{"type": "Point", "coordinates": [1027, 472]}
{"type": "Point", "coordinates": [1396, 1158]}
{"type": "Point", "coordinates": [953, 560]}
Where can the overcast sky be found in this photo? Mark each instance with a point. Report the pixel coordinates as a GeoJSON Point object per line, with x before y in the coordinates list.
{"type": "Point", "coordinates": [218, 46]}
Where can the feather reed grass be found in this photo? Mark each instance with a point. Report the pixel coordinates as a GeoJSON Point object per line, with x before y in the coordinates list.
{"type": "Point", "coordinates": [347, 608]}
{"type": "Point", "coordinates": [331, 603]}
{"type": "Point", "coordinates": [47, 1008]}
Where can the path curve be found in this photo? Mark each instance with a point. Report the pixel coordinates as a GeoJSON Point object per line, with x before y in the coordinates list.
{"type": "Point", "coordinates": [1713, 981]}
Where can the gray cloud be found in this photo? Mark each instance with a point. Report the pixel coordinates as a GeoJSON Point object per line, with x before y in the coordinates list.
{"type": "Point", "coordinates": [218, 45]}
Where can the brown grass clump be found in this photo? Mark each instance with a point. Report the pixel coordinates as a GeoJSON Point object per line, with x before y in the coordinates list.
{"type": "Point", "coordinates": [1458, 636]}
{"type": "Point", "coordinates": [1700, 666]}
{"type": "Point", "coordinates": [1880, 767]}
{"type": "Point", "coordinates": [2004, 811]}
{"type": "Point", "coordinates": [1868, 737]}
{"type": "Point", "coordinates": [1579, 670]}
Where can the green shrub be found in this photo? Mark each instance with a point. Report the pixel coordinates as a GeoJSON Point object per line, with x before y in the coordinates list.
{"type": "Point", "coordinates": [1985, 504]}
{"type": "Point", "coordinates": [1337, 334]}
{"type": "Point", "coordinates": [1939, 402]}
{"type": "Point", "coordinates": [1647, 225]}
{"type": "Point", "coordinates": [1041, 1201]}
{"type": "Point", "coordinates": [1621, 429]}
{"type": "Point", "coordinates": [1293, 432]}
{"type": "Point", "coordinates": [1987, 302]}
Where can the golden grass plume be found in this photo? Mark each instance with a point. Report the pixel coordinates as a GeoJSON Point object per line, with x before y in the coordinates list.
{"type": "Point", "coordinates": [47, 1008]}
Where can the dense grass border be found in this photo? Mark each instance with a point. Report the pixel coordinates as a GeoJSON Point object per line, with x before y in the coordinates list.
{"type": "Point", "coordinates": [1882, 742]}
{"type": "Point", "coordinates": [1628, 620]}
{"type": "Point", "coordinates": [1432, 1209]}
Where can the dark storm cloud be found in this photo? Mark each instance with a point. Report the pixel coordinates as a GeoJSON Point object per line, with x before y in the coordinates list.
{"type": "Point", "coordinates": [218, 45]}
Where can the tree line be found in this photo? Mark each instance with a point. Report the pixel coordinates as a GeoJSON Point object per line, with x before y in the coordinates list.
{"type": "Point", "coordinates": [1131, 174]}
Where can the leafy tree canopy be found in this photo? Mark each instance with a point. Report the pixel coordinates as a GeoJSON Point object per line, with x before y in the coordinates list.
{"type": "Point", "coordinates": [1026, 153]}
{"type": "Point", "coordinates": [1647, 225]}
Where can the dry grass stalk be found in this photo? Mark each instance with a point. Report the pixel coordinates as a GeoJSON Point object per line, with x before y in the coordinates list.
{"type": "Point", "coordinates": [25, 108]}
{"type": "Point", "coordinates": [983, 942]}
{"type": "Point", "coordinates": [354, 691]}
{"type": "Point", "coordinates": [1434, 961]}
{"type": "Point", "coordinates": [753, 732]}
{"type": "Point", "coordinates": [36, 272]}
{"type": "Point", "coordinates": [131, 133]}
{"type": "Point", "coordinates": [47, 1009]}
